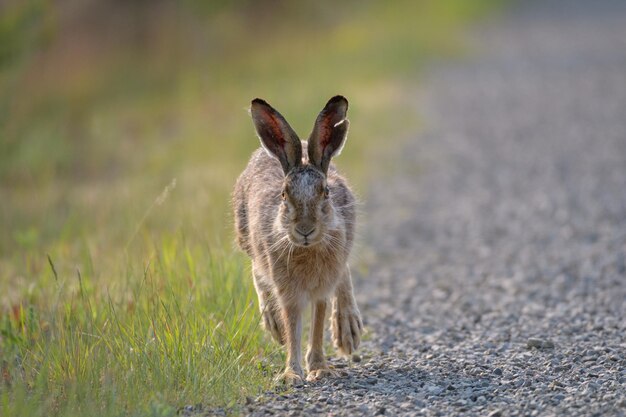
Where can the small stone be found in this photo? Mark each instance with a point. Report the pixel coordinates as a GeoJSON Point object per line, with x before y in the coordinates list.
{"type": "Point", "coordinates": [497, 371]}
{"type": "Point", "coordinates": [381, 411]}
{"type": "Point", "coordinates": [495, 413]}
{"type": "Point", "coordinates": [419, 404]}
{"type": "Point", "coordinates": [356, 358]}
{"type": "Point", "coordinates": [433, 389]}
{"type": "Point", "coordinates": [535, 342]}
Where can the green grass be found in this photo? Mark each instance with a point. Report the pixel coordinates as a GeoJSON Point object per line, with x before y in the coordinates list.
{"type": "Point", "coordinates": [181, 333]}
{"type": "Point", "coordinates": [120, 290]}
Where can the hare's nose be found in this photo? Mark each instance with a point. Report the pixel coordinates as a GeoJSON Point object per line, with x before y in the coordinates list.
{"type": "Point", "coordinates": [306, 232]}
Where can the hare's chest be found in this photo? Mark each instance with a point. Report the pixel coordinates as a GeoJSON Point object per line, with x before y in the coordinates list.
{"type": "Point", "coordinates": [315, 274]}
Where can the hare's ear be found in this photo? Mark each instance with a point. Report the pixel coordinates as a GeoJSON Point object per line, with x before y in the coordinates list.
{"type": "Point", "coordinates": [329, 133]}
{"type": "Point", "coordinates": [277, 137]}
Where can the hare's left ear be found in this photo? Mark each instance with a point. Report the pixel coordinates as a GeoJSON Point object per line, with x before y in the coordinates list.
{"type": "Point", "coordinates": [329, 133]}
{"type": "Point", "coordinates": [277, 137]}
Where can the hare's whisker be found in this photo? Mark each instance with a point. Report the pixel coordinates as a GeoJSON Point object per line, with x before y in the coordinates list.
{"type": "Point", "coordinates": [278, 243]}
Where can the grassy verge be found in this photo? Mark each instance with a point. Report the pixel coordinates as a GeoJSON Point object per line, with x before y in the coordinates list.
{"type": "Point", "coordinates": [121, 293]}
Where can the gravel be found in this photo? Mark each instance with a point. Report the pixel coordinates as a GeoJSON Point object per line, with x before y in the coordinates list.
{"type": "Point", "coordinates": [496, 248]}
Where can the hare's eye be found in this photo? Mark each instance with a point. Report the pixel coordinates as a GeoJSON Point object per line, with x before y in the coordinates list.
{"type": "Point", "coordinates": [283, 195]}
{"type": "Point", "coordinates": [326, 192]}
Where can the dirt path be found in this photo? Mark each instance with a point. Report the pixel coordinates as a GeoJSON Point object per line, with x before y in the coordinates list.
{"type": "Point", "coordinates": [505, 222]}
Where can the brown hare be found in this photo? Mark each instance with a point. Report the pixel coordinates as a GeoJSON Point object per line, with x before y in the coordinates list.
{"type": "Point", "coordinates": [295, 218]}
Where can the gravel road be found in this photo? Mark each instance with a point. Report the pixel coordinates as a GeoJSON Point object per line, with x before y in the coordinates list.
{"type": "Point", "coordinates": [497, 279]}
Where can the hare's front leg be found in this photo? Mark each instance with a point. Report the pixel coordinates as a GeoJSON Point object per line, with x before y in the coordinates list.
{"type": "Point", "coordinates": [346, 323]}
{"type": "Point", "coordinates": [269, 307]}
{"type": "Point", "coordinates": [315, 360]}
{"type": "Point", "coordinates": [292, 317]}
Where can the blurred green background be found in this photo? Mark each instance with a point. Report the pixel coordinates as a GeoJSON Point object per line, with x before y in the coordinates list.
{"type": "Point", "coordinates": [123, 126]}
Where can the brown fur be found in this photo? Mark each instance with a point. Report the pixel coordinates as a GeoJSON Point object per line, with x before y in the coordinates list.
{"type": "Point", "coordinates": [278, 200]}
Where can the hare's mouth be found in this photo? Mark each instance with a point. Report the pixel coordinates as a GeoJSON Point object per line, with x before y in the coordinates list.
{"type": "Point", "coordinates": [305, 238]}
{"type": "Point", "coordinates": [305, 242]}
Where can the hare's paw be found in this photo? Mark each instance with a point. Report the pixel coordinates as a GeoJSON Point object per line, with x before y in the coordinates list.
{"type": "Point", "coordinates": [291, 377]}
{"type": "Point", "coordinates": [317, 367]}
{"type": "Point", "coordinates": [346, 327]}
{"type": "Point", "coordinates": [273, 324]}
{"type": "Point", "coordinates": [317, 372]}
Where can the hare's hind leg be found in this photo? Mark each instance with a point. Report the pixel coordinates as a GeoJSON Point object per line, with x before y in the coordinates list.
{"type": "Point", "coordinates": [346, 324]}
{"type": "Point", "coordinates": [315, 360]}
{"type": "Point", "coordinates": [270, 310]}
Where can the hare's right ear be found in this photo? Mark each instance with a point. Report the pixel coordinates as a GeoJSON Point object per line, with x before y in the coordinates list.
{"type": "Point", "coordinates": [277, 137]}
{"type": "Point", "coordinates": [329, 133]}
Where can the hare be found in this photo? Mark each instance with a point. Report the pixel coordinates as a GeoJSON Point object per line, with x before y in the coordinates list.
{"type": "Point", "coordinates": [295, 218]}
